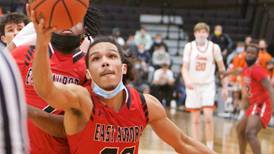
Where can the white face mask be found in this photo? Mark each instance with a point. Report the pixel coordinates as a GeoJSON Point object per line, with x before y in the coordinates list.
{"type": "Point", "coordinates": [106, 94]}
{"type": "Point", "coordinates": [240, 49]}
{"type": "Point", "coordinates": [201, 40]}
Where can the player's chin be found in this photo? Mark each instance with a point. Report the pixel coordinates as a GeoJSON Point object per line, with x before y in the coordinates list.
{"type": "Point", "coordinates": [109, 87]}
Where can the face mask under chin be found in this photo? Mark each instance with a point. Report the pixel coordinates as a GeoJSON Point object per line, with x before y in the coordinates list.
{"type": "Point", "coordinates": [65, 43]}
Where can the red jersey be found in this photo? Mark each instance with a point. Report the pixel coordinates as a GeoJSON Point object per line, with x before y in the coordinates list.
{"type": "Point", "coordinates": [66, 68]}
{"type": "Point", "coordinates": [253, 76]}
{"type": "Point", "coordinates": [112, 132]}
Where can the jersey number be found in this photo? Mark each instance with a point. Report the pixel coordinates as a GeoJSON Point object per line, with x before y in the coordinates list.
{"type": "Point", "coordinates": [200, 66]}
{"type": "Point", "coordinates": [115, 151]}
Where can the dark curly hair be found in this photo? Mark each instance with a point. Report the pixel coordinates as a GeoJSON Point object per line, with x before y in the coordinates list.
{"type": "Point", "coordinates": [126, 57]}
{"type": "Point", "coordinates": [92, 21]}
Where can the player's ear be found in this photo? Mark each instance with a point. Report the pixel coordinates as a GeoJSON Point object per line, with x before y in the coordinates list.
{"type": "Point", "coordinates": [124, 69]}
{"type": "Point", "coordinates": [3, 38]}
{"type": "Point", "coordinates": [88, 75]}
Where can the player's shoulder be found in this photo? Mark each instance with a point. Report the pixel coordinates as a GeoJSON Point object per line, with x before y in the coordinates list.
{"type": "Point", "coordinates": [155, 108]}
{"type": "Point", "coordinates": [257, 70]}
{"type": "Point", "coordinates": [189, 44]}
{"type": "Point", "coordinates": [78, 56]}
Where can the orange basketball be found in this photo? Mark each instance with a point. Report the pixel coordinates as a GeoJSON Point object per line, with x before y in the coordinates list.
{"type": "Point", "coordinates": [62, 14]}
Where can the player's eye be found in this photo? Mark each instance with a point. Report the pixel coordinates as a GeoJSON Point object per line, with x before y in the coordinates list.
{"type": "Point", "coordinates": [95, 58]}
{"type": "Point", "coordinates": [113, 56]}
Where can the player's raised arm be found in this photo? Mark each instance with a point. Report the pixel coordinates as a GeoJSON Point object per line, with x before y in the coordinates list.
{"type": "Point", "coordinates": [169, 132]}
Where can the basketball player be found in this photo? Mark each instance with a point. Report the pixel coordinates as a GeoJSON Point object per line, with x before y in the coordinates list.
{"type": "Point", "coordinates": [111, 117]}
{"type": "Point", "coordinates": [13, 129]}
{"type": "Point", "coordinates": [198, 71]}
{"type": "Point", "coordinates": [259, 95]}
{"type": "Point", "coordinates": [68, 66]}
{"type": "Point", "coordinates": [10, 25]}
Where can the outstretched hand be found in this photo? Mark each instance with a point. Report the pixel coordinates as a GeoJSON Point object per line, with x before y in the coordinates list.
{"type": "Point", "coordinates": [43, 32]}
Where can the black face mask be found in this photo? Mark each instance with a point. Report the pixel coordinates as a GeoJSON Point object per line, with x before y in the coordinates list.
{"type": "Point", "coordinates": [65, 43]}
{"type": "Point", "coordinates": [250, 62]}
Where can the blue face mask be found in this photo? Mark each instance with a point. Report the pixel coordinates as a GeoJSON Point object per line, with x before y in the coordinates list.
{"type": "Point", "coordinates": [107, 94]}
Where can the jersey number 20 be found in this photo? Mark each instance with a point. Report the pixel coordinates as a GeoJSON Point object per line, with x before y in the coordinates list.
{"type": "Point", "coordinates": [200, 66]}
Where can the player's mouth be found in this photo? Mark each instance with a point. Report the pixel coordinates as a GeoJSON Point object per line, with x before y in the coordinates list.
{"type": "Point", "coordinates": [107, 72]}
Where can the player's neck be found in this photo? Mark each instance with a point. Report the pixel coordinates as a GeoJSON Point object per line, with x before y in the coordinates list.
{"type": "Point", "coordinates": [201, 44]}
{"type": "Point", "coordinates": [116, 102]}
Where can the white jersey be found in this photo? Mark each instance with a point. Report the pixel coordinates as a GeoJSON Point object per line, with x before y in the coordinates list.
{"type": "Point", "coordinates": [202, 63]}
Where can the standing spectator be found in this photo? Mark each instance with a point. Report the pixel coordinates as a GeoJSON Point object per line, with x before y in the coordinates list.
{"type": "Point", "coordinates": [248, 40]}
{"type": "Point", "coordinates": [13, 108]}
{"type": "Point", "coordinates": [198, 71]}
{"type": "Point", "coordinates": [143, 37]}
{"type": "Point", "coordinates": [223, 40]}
{"type": "Point", "coordinates": [10, 25]}
{"type": "Point", "coordinates": [264, 56]}
{"type": "Point", "coordinates": [240, 47]}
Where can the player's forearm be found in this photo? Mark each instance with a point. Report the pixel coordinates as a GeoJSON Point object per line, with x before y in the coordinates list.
{"type": "Point", "coordinates": [185, 74]}
{"type": "Point", "coordinates": [49, 123]}
{"type": "Point", "coordinates": [221, 67]}
{"type": "Point", "coordinates": [193, 147]}
{"type": "Point", "coordinates": [42, 81]}
{"type": "Point", "coordinates": [271, 93]}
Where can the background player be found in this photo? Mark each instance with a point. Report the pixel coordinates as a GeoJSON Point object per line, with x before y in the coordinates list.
{"type": "Point", "coordinates": [259, 95]}
{"type": "Point", "coordinates": [198, 71]}
{"type": "Point", "coordinates": [10, 25]}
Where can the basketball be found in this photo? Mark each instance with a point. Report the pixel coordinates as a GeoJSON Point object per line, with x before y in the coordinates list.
{"type": "Point", "coordinates": [62, 14]}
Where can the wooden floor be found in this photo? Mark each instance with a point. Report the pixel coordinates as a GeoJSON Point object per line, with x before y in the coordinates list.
{"type": "Point", "coordinates": [225, 141]}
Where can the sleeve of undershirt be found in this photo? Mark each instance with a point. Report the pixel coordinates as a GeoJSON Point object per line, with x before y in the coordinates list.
{"type": "Point", "coordinates": [27, 36]}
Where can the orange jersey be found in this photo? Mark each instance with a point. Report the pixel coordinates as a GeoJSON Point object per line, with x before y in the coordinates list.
{"type": "Point", "coordinates": [239, 60]}
{"type": "Point", "coordinates": [264, 57]}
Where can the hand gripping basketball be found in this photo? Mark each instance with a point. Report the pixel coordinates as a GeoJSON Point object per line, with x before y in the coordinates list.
{"type": "Point", "coordinates": [61, 14]}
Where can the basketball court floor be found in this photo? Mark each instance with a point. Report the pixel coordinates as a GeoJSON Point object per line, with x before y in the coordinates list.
{"type": "Point", "coordinates": [225, 141]}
